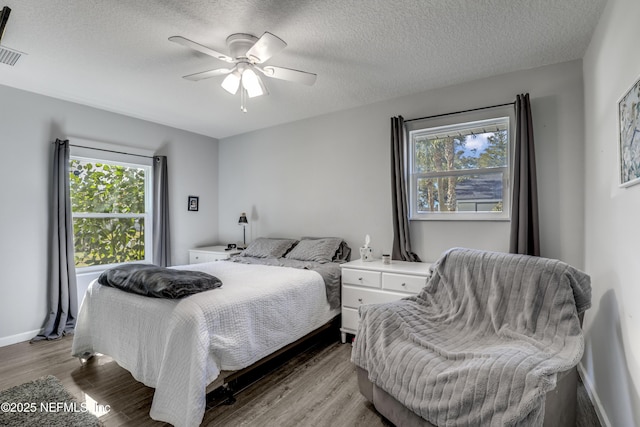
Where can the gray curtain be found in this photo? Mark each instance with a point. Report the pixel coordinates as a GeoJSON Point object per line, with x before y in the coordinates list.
{"type": "Point", "coordinates": [63, 292]}
{"type": "Point", "coordinates": [524, 208]}
{"type": "Point", "coordinates": [401, 239]}
{"type": "Point", "coordinates": [161, 238]}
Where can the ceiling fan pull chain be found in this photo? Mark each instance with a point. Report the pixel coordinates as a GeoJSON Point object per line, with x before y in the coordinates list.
{"type": "Point", "coordinates": [243, 99]}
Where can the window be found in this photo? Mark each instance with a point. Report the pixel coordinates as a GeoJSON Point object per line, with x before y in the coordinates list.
{"type": "Point", "coordinates": [111, 204]}
{"type": "Point", "coordinates": [460, 170]}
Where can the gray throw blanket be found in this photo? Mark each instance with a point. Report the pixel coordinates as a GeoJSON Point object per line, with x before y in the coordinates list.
{"type": "Point", "coordinates": [158, 282]}
{"type": "Point", "coordinates": [483, 341]}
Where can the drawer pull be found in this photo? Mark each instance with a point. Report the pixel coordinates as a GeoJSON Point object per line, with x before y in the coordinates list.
{"type": "Point", "coordinates": [404, 284]}
{"type": "Point", "coordinates": [360, 279]}
{"type": "Point", "coordinates": [360, 300]}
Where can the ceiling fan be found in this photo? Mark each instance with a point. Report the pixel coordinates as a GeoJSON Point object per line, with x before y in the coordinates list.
{"type": "Point", "coordinates": [247, 54]}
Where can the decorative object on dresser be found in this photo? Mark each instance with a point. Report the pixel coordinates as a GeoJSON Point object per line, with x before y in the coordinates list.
{"type": "Point", "coordinates": [243, 221]}
{"type": "Point", "coordinates": [375, 282]}
{"type": "Point", "coordinates": [211, 253]}
{"type": "Point", "coordinates": [366, 253]}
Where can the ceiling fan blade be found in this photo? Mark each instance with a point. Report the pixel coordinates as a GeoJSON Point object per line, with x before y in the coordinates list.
{"type": "Point", "coordinates": [266, 46]}
{"type": "Point", "coordinates": [200, 48]}
{"type": "Point", "coordinates": [288, 74]}
{"type": "Point", "coordinates": [207, 74]}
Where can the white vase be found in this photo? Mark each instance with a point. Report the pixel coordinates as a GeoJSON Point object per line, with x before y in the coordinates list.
{"type": "Point", "coordinates": [366, 253]}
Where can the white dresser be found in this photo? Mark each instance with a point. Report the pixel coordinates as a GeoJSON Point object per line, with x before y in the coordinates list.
{"type": "Point", "coordinates": [210, 253]}
{"type": "Point", "coordinates": [374, 283]}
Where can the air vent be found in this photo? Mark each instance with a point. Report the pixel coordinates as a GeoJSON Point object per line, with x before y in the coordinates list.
{"type": "Point", "coordinates": [9, 56]}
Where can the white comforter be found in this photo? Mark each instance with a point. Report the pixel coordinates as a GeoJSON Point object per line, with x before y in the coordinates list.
{"type": "Point", "coordinates": [180, 346]}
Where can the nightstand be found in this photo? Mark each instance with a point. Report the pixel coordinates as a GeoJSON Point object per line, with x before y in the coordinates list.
{"type": "Point", "coordinates": [210, 253]}
{"type": "Point", "coordinates": [374, 283]}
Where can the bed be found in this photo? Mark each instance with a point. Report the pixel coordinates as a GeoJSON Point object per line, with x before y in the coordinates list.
{"type": "Point", "coordinates": [184, 347]}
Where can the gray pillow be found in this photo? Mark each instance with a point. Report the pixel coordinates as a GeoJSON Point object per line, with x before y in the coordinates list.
{"type": "Point", "coordinates": [264, 247]}
{"type": "Point", "coordinates": [319, 250]}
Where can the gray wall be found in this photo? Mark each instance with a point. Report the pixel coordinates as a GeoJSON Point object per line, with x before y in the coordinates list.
{"type": "Point", "coordinates": [329, 175]}
{"type": "Point", "coordinates": [29, 122]}
{"type": "Point", "coordinates": [612, 228]}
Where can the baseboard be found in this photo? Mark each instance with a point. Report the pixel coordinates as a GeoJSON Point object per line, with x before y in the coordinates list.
{"type": "Point", "coordinates": [14, 339]}
{"type": "Point", "coordinates": [591, 391]}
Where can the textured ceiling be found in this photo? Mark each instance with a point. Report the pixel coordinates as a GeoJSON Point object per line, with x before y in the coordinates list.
{"type": "Point", "coordinates": [115, 55]}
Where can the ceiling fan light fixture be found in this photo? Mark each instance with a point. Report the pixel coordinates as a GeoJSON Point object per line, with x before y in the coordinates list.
{"type": "Point", "coordinates": [231, 83]}
{"type": "Point", "coordinates": [252, 83]}
{"type": "Point", "coordinates": [246, 52]}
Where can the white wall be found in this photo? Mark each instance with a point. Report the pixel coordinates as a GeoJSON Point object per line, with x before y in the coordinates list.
{"type": "Point", "coordinates": [612, 229]}
{"type": "Point", "coordinates": [330, 175]}
{"type": "Point", "coordinates": [28, 123]}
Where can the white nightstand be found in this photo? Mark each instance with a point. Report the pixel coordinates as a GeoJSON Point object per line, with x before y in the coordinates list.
{"type": "Point", "coordinates": [374, 283]}
{"type": "Point", "coordinates": [210, 253]}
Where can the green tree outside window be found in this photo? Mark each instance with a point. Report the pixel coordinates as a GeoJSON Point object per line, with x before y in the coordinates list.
{"type": "Point", "coordinates": [108, 204]}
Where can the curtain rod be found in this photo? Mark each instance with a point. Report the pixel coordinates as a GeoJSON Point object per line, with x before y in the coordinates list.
{"type": "Point", "coordinates": [112, 151]}
{"type": "Point", "coordinates": [460, 112]}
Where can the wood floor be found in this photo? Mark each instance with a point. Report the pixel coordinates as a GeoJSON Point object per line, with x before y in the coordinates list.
{"type": "Point", "coordinates": [310, 386]}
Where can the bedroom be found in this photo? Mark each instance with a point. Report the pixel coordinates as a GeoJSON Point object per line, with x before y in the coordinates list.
{"type": "Point", "coordinates": [587, 220]}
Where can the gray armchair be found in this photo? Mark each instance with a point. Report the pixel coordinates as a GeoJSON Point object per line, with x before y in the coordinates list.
{"type": "Point", "coordinates": [492, 339]}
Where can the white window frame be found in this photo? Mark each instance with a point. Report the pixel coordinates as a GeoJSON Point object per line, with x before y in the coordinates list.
{"type": "Point", "coordinates": [461, 121]}
{"type": "Point", "coordinates": [112, 156]}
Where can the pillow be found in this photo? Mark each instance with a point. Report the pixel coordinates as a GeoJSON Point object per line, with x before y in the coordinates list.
{"type": "Point", "coordinates": [343, 254]}
{"type": "Point", "coordinates": [158, 282]}
{"type": "Point", "coordinates": [264, 247]}
{"type": "Point", "coordinates": [319, 250]}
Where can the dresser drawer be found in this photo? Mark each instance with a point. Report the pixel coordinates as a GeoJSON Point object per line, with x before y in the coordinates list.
{"type": "Point", "coordinates": [403, 282]}
{"type": "Point", "coordinates": [196, 257]}
{"type": "Point", "coordinates": [350, 319]}
{"type": "Point", "coordinates": [361, 278]}
{"type": "Point", "coordinates": [355, 297]}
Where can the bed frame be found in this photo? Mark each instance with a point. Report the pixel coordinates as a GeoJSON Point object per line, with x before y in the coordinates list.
{"type": "Point", "coordinates": [223, 382]}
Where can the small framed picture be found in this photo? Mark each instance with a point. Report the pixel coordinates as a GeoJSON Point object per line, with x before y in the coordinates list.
{"type": "Point", "coordinates": [629, 129]}
{"type": "Point", "coordinates": [193, 203]}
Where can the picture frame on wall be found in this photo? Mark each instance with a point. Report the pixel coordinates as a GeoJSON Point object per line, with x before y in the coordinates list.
{"type": "Point", "coordinates": [629, 134]}
{"type": "Point", "coordinates": [193, 203]}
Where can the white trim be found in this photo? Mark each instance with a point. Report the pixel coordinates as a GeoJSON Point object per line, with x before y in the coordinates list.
{"type": "Point", "coordinates": [108, 215]}
{"type": "Point", "coordinates": [99, 268]}
{"type": "Point", "coordinates": [116, 153]}
{"type": "Point", "coordinates": [14, 339]}
{"type": "Point", "coordinates": [593, 396]}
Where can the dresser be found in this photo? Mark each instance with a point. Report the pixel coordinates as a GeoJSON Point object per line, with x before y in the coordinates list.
{"type": "Point", "coordinates": [210, 253]}
{"type": "Point", "coordinates": [374, 283]}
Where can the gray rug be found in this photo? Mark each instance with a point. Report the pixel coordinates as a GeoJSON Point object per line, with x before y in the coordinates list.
{"type": "Point", "coordinates": [43, 402]}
